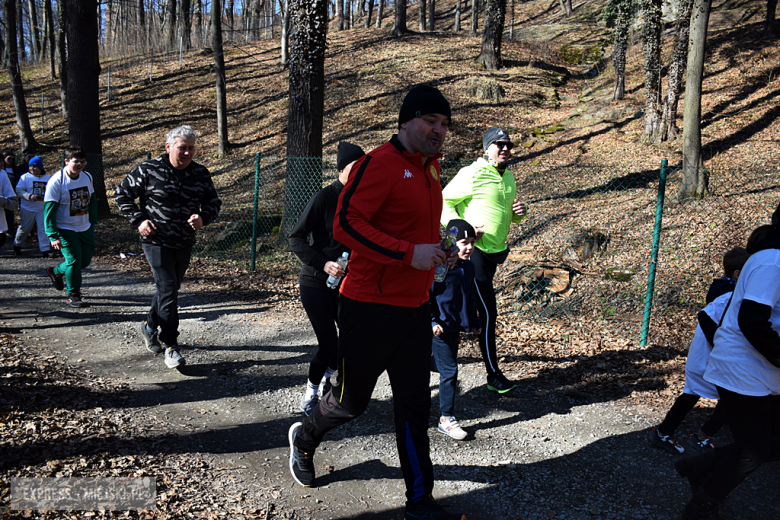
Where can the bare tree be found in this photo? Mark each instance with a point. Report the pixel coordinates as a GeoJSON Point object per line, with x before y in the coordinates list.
{"type": "Point", "coordinates": [26, 139]}
{"type": "Point", "coordinates": [81, 24]}
{"type": "Point", "coordinates": [490, 56]}
{"type": "Point", "coordinates": [3, 54]}
{"type": "Point", "coordinates": [197, 14]}
{"type": "Point", "coordinates": [399, 21]}
{"type": "Point", "coordinates": [35, 32]}
{"type": "Point", "coordinates": [421, 17]}
{"type": "Point", "coordinates": [618, 13]}
{"type": "Point", "coordinates": [566, 7]}
{"type": "Point", "coordinates": [512, 20]}
{"type": "Point", "coordinates": [431, 14]}
{"type": "Point", "coordinates": [170, 17]}
{"type": "Point", "coordinates": [694, 179]}
{"type": "Point", "coordinates": [369, 12]}
{"type": "Point", "coordinates": [62, 59]}
{"type": "Point", "coordinates": [380, 12]}
{"type": "Point", "coordinates": [305, 107]}
{"type": "Point", "coordinates": [769, 23]}
{"type": "Point", "coordinates": [285, 6]}
{"type": "Point", "coordinates": [185, 22]}
{"type": "Point", "coordinates": [48, 15]}
{"type": "Point", "coordinates": [458, 12]}
{"type": "Point", "coordinates": [340, 14]}
{"type": "Point", "coordinates": [219, 70]}
{"type": "Point", "coordinates": [676, 71]}
{"type": "Point", "coordinates": [652, 47]}
{"type": "Point", "coordinates": [230, 9]}
{"type": "Point", "coordinates": [22, 48]}
{"type": "Point", "coordinates": [474, 17]}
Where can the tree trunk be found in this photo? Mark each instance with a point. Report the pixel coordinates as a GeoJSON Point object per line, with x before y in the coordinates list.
{"type": "Point", "coordinates": [369, 12]}
{"type": "Point", "coordinates": [512, 20]}
{"type": "Point", "coordinates": [769, 23]}
{"type": "Point", "coordinates": [22, 48]}
{"type": "Point", "coordinates": [308, 26]}
{"type": "Point", "coordinates": [340, 14]}
{"type": "Point", "coordinates": [62, 59]}
{"type": "Point", "coordinates": [458, 12]}
{"type": "Point", "coordinates": [380, 12]}
{"type": "Point", "coordinates": [421, 16]}
{"type": "Point", "coordinates": [26, 139]}
{"type": "Point", "coordinates": [35, 33]}
{"type": "Point", "coordinates": [622, 25]}
{"type": "Point", "coordinates": [230, 9]}
{"type": "Point", "coordinates": [676, 71]}
{"type": "Point", "coordinates": [48, 14]}
{"type": "Point", "coordinates": [286, 33]}
{"type": "Point", "coordinates": [197, 14]}
{"type": "Point", "coordinates": [474, 17]}
{"type": "Point", "coordinates": [567, 7]}
{"type": "Point", "coordinates": [431, 15]}
{"type": "Point", "coordinates": [399, 21]}
{"type": "Point", "coordinates": [490, 56]}
{"type": "Point", "coordinates": [184, 22]}
{"type": "Point", "coordinates": [171, 21]}
{"type": "Point", "coordinates": [694, 179]}
{"type": "Point", "coordinates": [219, 70]}
{"type": "Point", "coordinates": [351, 10]}
{"type": "Point", "coordinates": [81, 24]}
{"type": "Point", "coordinates": [256, 11]}
{"type": "Point", "coordinates": [3, 54]}
{"type": "Point", "coordinates": [652, 48]}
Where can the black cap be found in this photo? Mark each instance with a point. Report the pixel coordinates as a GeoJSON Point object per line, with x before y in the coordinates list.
{"type": "Point", "coordinates": [492, 135]}
{"type": "Point", "coordinates": [422, 100]}
{"type": "Point", "coordinates": [346, 153]}
{"type": "Point", "coordinates": [465, 230]}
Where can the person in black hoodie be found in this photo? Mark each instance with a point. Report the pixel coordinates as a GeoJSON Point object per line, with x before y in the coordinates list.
{"type": "Point", "coordinates": [744, 366]}
{"type": "Point", "coordinates": [312, 241]}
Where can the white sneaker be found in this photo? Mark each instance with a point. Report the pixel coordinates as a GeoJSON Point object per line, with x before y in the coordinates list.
{"type": "Point", "coordinates": [172, 357]}
{"type": "Point", "coordinates": [449, 426]}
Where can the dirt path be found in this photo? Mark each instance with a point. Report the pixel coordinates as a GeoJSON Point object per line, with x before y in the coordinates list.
{"type": "Point", "coordinates": [534, 455]}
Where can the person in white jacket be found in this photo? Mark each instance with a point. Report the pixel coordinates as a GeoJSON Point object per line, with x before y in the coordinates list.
{"type": "Point", "coordinates": [31, 189]}
{"type": "Point", "coordinates": [8, 201]}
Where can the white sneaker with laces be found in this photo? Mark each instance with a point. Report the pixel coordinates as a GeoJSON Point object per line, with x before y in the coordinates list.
{"type": "Point", "coordinates": [172, 357]}
{"type": "Point", "coordinates": [449, 426]}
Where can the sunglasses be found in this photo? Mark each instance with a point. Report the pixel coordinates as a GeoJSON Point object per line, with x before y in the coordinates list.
{"type": "Point", "coordinates": [504, 144]}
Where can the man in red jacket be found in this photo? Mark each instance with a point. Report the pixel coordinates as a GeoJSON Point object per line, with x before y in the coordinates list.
{"type": "Point", "coordinates": [388, 214]}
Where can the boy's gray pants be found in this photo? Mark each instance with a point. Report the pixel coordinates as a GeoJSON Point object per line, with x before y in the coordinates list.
{"type": "Point", "coordinates": [28, 220]}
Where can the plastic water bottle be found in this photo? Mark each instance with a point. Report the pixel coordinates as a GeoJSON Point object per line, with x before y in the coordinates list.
{"type": "Point", "coordinates": [448, 243]}
{"type": "Point", "coordinates": [333, 282]}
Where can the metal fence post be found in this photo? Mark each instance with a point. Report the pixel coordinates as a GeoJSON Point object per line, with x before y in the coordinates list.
{"type": "Point", "coordinates": [659, 210]}
{"type": "Point", "coordinates": [254, 213]}
{"type": "Point", "coordinates": [148, 156]}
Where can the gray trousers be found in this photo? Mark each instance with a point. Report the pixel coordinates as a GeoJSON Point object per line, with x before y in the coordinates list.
{"type": "Point", "coordinates": [27, 220]}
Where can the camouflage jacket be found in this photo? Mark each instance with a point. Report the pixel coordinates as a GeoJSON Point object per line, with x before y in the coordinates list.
{"type": "Point", "coordinates": [167, 200]}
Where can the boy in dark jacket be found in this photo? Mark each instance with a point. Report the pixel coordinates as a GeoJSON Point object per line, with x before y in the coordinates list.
{"type": "Point", "coordinates": [453, 310]}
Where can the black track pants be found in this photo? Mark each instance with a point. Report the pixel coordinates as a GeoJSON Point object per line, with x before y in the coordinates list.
{"type": "Point", "coordinates": [374, 338]}
{"type": "Point", "coordinates": [684, 404]}
{"type": "Point", "coordinates": [321, 306]}
{"type": "Point", "coordinates": [485, 298]}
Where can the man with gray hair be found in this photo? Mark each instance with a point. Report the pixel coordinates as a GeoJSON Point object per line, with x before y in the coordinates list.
{"type": "Point", "coordinates": [176, 197]}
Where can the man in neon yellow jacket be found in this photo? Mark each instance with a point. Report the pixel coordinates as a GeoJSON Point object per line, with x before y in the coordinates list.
{"type": "Point", "coordinates": [483, 194]}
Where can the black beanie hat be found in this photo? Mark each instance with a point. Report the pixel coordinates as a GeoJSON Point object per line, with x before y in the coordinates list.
{"type": "Point", "coordinates": [465, 230]}
{"type": "Point", "coordinates": [422, 100]}
{"type": "Point", "coordinates": [346, 153]}
{"type": "Point", "coordinates": [492, 135]}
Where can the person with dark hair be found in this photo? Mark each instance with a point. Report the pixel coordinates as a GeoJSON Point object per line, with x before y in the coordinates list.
{"type": "Point", "coordinates": [13, 172]}
{"type": "Point", "coordinates": [8, 201]}
{"type": "Point", "coordinates": [312, 241]}
{"type": "Point", "coordinates": [176, 198]}
{"type": "Point", "coordinates": [744, 366]}
{"type": "Point", "coordinates": [31, 190]}
{"type": "Point", "coordinates": [388, 213]}
{"type": "Point", "coordinates": [662, 435]}
{"type": "Point", "coordinates": [483, 194]}
{"type": "Point", "coordinates": [453, 310]}
{"type": "Point", "coordinates": [70, 215]}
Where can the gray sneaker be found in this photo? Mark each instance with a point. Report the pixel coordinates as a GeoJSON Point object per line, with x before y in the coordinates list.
{"type": "Point", "coordinates": [172, 357]}
{"type": "Point", "coordinates": [150, 338]}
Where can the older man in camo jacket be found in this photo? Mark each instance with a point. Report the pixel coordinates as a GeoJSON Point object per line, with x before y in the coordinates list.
{"type": "Point", "coordinates": [176, 198]}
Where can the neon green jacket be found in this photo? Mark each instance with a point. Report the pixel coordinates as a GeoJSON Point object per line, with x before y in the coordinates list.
{"type": "Point", "coordinates": [480, 195]}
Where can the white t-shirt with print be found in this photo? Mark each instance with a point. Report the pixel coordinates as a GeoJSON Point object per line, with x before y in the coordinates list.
{"type": "Point", "coordinates": [7, 191]}
{"type": "Point", "coordinates": [34, 185]}
{"type": "Point", "coordinates": [73, 197]}
{"type": "Point", "coordinates": [734, 364]}
{"type": "Point", "coordinates": [699, 353]}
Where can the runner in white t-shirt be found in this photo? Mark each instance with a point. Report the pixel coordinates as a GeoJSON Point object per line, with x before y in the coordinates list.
{"type": "Point", "coordinates": [745, 368]}
{"type": "Point", "coordinates": [31, 189]}
{"type": "Point", "coordinates": [70, 210]}
{"type": "Point", "coordinates": [8, 201]}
